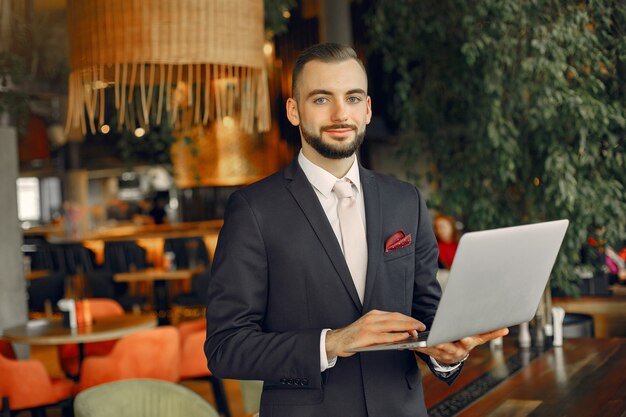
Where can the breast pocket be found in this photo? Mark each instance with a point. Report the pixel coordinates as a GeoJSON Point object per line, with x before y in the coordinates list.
{"type": "Point", "coordinates": [397, 282]}
{"type": "Point", "coordinates": [398, 253]}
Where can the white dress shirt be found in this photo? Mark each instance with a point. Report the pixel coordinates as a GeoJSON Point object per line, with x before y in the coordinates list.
{"type": "Point", "coordinates": [323, 183]}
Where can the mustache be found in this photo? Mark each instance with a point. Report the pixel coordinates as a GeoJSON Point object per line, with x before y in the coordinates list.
{"type": "Point", "coordinates": [338, 126]}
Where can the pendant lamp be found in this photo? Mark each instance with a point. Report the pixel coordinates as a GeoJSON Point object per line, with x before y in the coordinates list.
{"type": "Point", "coordinates": [187, 62]}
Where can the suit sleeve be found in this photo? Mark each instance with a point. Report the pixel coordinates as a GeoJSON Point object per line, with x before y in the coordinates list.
{"type": "Point", "coordinates": [236, 345]}
{"type": "Point", "coordinates": [427, 291]}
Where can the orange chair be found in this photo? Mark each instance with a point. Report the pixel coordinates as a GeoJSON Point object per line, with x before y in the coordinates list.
{"type": "Point", "coordinates": [6, 349]}
{"type": "Point", "coordinates": [25, 385]}
{"type": "Point", "coordinates": [193, 363]}
{"type": "Point", "coordinates": [151, 353]}
{"type": "Point", "coordinates": [99, 307]}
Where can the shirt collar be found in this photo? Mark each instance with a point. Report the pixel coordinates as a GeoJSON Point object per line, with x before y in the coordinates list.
{"type": "Point", "coordinates": [324, 181]}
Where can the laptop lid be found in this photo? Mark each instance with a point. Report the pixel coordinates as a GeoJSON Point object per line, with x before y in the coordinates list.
{"type": "Point", "coordinates": [496, 281]}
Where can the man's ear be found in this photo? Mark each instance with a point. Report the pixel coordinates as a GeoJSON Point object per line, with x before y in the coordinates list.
{"type": "Point", "coordinates": [292, 112]}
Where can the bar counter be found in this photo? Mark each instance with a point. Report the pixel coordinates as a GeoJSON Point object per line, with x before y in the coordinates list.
{"type": "Point", "coordinates": [150, 237]}
{"type": "Point", "coordinates": [127, 230]}
{"type": "Point", "coordinates": [583, 378]}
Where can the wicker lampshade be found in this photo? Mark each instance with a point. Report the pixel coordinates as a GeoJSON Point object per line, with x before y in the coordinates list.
{"type": "Point", "coordinates": [200, 60]}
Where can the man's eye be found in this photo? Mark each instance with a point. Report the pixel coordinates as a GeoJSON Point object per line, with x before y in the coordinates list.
{"type": "Point", "coordinates": [320, 100]}
{"type": "Point", "coordinates": [354, 99]}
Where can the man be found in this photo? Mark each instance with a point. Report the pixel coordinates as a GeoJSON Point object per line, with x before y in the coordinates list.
{"type": "Point", "coordinates": [295, 284]}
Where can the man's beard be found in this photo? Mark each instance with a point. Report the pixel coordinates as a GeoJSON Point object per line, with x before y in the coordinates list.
{"type": "Point", "coordinates": [332, 150]}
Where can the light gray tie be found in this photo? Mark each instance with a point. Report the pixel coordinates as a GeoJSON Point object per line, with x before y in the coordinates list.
{"type": "Point", "coordinates": [352, 234]}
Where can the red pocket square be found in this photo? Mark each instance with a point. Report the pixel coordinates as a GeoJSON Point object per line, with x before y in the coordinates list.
{"type": "Point", "coordinates": [397, 240]}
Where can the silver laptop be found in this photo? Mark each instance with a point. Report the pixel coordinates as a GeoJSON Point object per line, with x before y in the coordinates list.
{"type": "Point", "coordinates": [496, 281]}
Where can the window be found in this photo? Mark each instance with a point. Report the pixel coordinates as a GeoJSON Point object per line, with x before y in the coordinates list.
{"type": "Point", "coordinates": [28, 205]}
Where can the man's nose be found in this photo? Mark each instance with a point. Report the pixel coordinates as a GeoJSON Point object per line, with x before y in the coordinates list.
{"type": "Point", "coordinates": [339, 113]}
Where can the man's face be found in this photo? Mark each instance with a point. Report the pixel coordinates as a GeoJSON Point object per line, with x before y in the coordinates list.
{"type": "Point", "coordinates": [332, 108]}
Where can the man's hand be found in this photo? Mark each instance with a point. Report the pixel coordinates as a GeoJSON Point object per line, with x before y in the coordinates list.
{"type": "Point", "coordinates": [373, 328]}
{"type": "Point", "coordinates": [451, 353]}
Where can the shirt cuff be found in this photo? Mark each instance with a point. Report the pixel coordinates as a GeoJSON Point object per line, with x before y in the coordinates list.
{"type": "Point", "coordinates": [444, 369]}
{"type": "Point", "coordinates": [324, 362]}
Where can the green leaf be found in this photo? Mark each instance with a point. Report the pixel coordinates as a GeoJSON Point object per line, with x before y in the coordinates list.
{"type": "Point", "coordinates": [492, 94]}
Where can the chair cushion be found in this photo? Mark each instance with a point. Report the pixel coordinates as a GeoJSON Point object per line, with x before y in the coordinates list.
{"type": "Point", "coordinates": [6, 350]}
{"type": "Point", "coordinates": [62, 388]}
{"type": "Point", "coordinates": [27, 384]}
{"type": "Point", "coordinates": [151, 353]}
{"type": "Point", "coordinates": [192, 360]}
{"type": "Point", "coordinates": [141, 397]}
{"type": "Point", "coordinates": [68, 354]}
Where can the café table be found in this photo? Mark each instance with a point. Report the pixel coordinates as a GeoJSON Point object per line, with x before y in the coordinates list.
{"type": "Point", "coordinates": [52, 332]}
{"type": "Point", "coordinates": [38, 274]}
{"type": "Point", "coordinates": [159, 278]}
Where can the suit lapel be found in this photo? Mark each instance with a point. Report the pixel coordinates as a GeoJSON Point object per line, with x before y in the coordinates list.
{"type": "Point", "coordinates": [304, 195]}
{"type": "Point", "coordinates": [373, 220]}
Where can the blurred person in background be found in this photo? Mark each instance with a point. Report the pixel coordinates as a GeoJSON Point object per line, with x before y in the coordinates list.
{"type": "Point", "coordinates": [158, 212]}
{"type": "Point", "coordinates": [602, 256]}
{"type": "Point", "coordinates": [447, 236]}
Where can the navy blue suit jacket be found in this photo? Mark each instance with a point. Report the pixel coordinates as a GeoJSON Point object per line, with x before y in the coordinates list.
{"type": "Point", "coordinates": [279, 277]}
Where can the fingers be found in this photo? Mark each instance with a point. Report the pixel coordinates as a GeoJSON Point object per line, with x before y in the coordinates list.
{"type": "Point", "coordinates": [498, 333]}
{"type": "Point", "coordinates": [373, 328]}
{"type": "Point", "coordinates": [382, 321]}
{"type": "Point", "coordinates": [473, 341]}
{"type": "Point", "coordinates": [446, 353]}
{"type": "Point", "coordinates": [373, 338]}
{"type": "Point", "coordinates": [454, 352]}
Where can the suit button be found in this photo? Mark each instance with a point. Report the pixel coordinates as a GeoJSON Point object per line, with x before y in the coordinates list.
{"type": "Point", "coordinates": [297, 381]}
{"type": "Point", "coordinates": [289, 381]}
{"type": "Point", "coordinates": [283, 381]}
{"type": "Point", "coordinates": [305, 381]}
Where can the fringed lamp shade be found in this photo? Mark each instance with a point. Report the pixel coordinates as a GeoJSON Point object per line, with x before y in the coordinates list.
{"type": "Point", "coordinates": [188, 61]}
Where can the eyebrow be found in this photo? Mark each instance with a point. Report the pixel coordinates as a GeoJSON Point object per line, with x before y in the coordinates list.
{"type": "Point", "coordinates": [329, 93]}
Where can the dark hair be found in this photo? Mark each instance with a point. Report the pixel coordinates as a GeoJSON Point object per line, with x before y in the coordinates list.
{"type": "Point", "coordinates": [325, 52]}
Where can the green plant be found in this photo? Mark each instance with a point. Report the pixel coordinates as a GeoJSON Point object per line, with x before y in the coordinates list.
{"type": "Point", "coordinates": [276, 12]}
{"type": "Point", "coordinates": [152, 148]}
{"type": "Point", "coordinates": [12, 98]}
{"type": "Point", "coordinates": [519, 108]}
{"type": "Point", "coordinates": [35, 60]}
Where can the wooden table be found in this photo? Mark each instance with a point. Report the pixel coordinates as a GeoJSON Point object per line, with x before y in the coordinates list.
{"type": "Point", "coordinates": [159, 278]}
{"type": "Point", "coordinates": [38, 274]}
{"type": "Point", "coordinates": [609, 313]}
{"type": "Point", "coordinates": [150, 237]}
{"type": "Point", "coordinates": [584, 378]}
{"type": "Point", "coordinates": [51, 332]}
{"type": "Point", "coordinates": [618, 289]}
